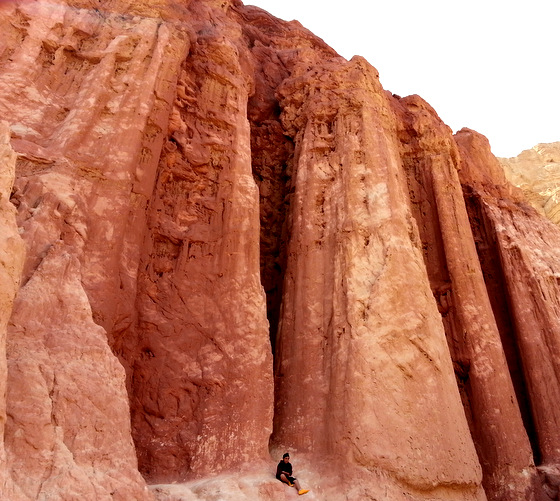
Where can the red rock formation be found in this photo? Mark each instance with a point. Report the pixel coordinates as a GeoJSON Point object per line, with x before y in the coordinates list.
{"type": "Point", "coordinates": [526, 246]}
{"type": "Point", "coordinates": [200, 353]}
{"type": "Point", "coordinates": [85, 130]}
{"type": "Point", "coordinates": [351, 341]}
{"type": "Point", "coordinates": [432, 161]}
{"type": "Point", "coordinates": [411, 295]}
{"type": "Point", "coordinates": [11, 264]}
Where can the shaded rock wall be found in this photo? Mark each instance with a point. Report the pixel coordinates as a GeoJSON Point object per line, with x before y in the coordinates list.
{"type": "Point", "coordinates": [526, 245]}
{"type": "Point", "coordinates": [237, 242]}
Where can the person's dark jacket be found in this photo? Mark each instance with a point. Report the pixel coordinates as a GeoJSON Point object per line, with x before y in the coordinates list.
{"type": "Point", "coordinates": [283, 468]}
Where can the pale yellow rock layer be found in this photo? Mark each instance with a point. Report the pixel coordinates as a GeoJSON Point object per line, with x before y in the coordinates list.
{"type": "Point", "coordinates": [537, 173]}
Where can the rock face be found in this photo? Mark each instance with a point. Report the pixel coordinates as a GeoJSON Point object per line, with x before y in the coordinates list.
{"type": "Point", "coordinates": [537, 173]}
{"type": "Point", "coordinates": [199, 350]}
{"type": "Point", "coordinates": [11, 263]}
{"type": "Point", "coordinates": [224, 241]}
{"type": "Point", "coordinates": [346, 314]}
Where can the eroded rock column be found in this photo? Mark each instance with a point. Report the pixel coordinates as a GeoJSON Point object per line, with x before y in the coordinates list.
{"type": "Point", "coordinates": [202, 365]}
{"type": "Point", "coordinates": [431, 159]}
{"type": "Point", "coordinates": [362, 369]}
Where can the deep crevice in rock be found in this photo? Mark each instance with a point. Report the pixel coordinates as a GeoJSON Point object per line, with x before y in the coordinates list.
{"type": "Point", "coordinates": [272, 154]}
{"type": "Point", "coordinates": [424, 209]}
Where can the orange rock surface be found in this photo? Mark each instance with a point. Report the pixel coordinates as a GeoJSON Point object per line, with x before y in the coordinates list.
{"type": "Point", "coordinates": [219, 241]}
{"type": "Point", "coordinates": [12, 253]}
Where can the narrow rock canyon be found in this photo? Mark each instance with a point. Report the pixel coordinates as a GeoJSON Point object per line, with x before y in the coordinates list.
{"type": "Point", "coordinates": [220, 240]}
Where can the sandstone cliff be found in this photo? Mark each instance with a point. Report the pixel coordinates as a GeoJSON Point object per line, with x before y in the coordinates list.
{"type": "Point", "coordinates": [221, 240]}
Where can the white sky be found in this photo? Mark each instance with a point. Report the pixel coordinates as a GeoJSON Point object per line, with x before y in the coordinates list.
{"type": "Point", "coordinates": [490, 65]}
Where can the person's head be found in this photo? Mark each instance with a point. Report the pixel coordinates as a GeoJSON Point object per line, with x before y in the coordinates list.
{"type": "Point", "coordinates": [286, 457]}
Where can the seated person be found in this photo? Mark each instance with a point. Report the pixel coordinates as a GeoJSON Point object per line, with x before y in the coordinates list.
{"type": "Point", "coordinates": [284, 474]}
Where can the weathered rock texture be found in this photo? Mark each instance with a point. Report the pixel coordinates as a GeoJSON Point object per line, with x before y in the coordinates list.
{"type": "Point", "coordinates": [537, 173]}
{"type": "Point", "coordinates": [12, 253]}
{"type": "Point", "coordinates": [235, 242]}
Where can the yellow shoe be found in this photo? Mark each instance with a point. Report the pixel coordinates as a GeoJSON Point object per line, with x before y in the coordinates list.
{"type": "Point", "coordinates": [303, 491]}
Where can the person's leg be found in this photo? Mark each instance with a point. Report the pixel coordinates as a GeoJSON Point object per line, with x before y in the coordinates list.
{"type": "Point", "coordinates": [284, 479]}
{"type": "Point", "coordinates": [299, 489]}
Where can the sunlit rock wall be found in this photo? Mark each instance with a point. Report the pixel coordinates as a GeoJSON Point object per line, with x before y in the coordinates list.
{"type": "Point", "coordinates": [537, 173]}
{"type": "Point", "coordinates": [12, 254]}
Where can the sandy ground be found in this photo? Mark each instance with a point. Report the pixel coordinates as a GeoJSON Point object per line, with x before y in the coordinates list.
{"type": "Point", "coordinates": [259, 486]}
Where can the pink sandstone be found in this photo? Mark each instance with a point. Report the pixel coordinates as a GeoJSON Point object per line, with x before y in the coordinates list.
{"type": "Point", "coordinates": [12, 254]}
{"type": "Point", "coordinates": [236, 244]}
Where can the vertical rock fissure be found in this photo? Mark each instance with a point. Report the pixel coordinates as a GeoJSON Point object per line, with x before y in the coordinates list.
{"type": "Point", "coordinates": [487, 249]}
{"type": "Point", "coordinates": [272, 154]}
{"type": "Point", "coordinates": [423, 205]}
